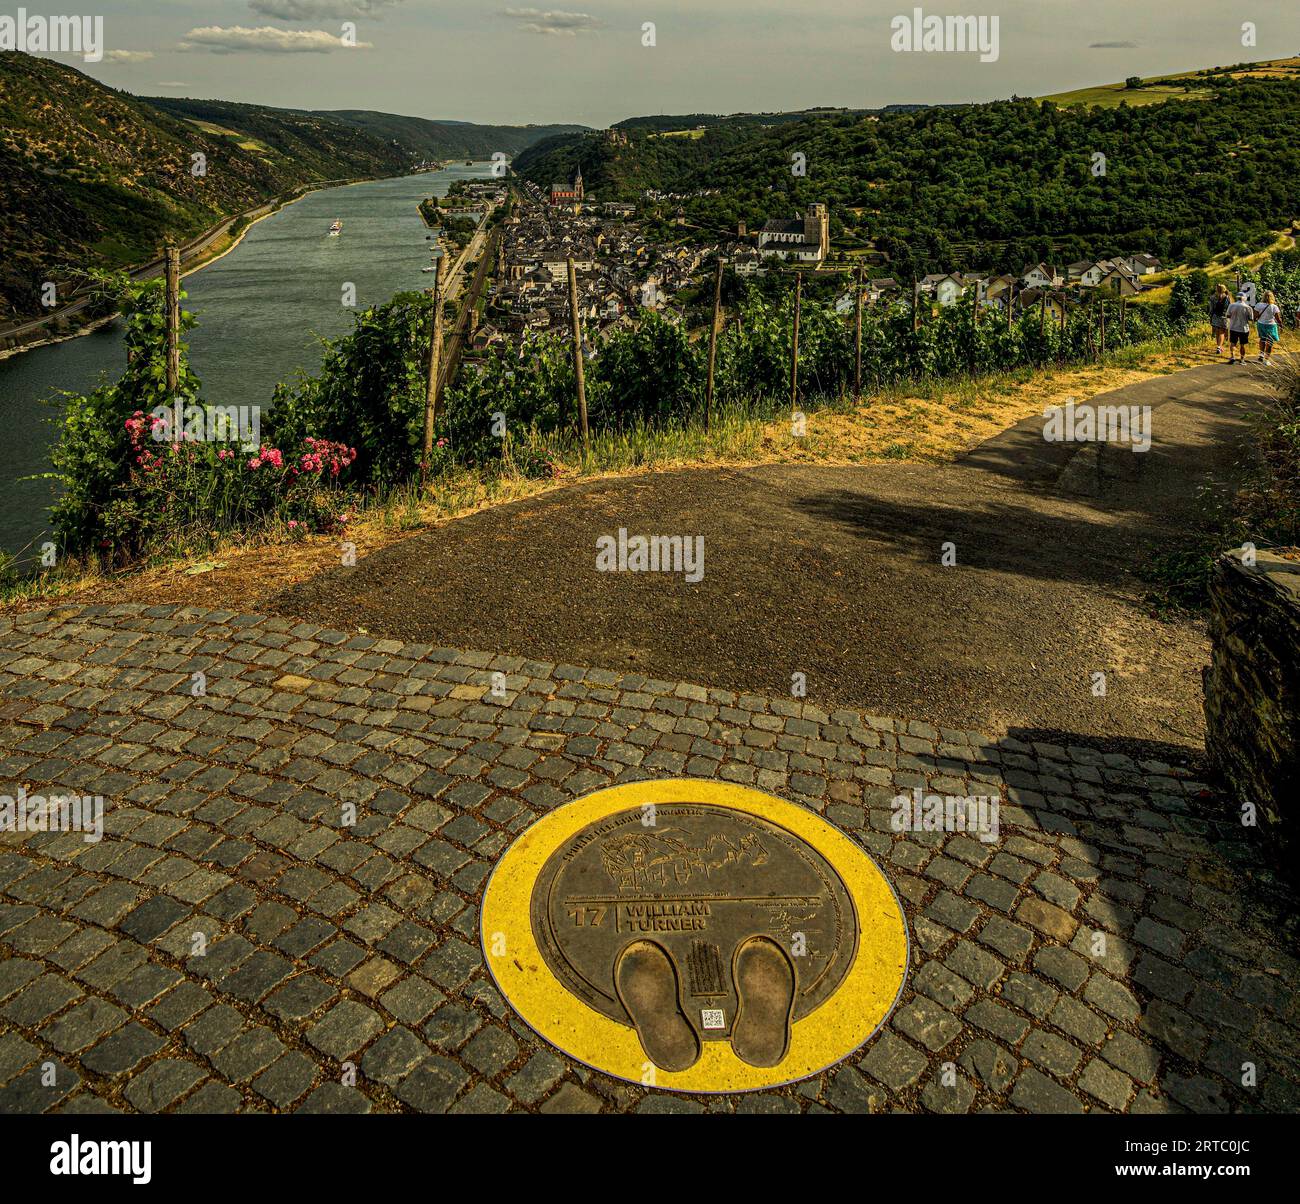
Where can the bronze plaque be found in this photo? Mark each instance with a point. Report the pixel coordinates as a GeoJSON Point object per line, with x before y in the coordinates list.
{"type": "Point", "coordinates": [711, 887]}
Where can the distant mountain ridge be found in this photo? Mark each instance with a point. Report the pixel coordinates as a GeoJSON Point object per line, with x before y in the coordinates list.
{"type": "Point", "coordinates": [438, 139]}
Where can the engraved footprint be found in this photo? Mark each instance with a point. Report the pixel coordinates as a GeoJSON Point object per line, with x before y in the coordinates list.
{"type": "Point", "coordinates": [765, 985]}
{"type": "Point", "coordinates": [649, 990]}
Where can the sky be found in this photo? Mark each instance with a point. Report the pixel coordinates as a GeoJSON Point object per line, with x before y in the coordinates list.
{"type": "Point", "coordinates": [591, 62]}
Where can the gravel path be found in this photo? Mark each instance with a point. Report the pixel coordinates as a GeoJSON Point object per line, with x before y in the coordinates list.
{"type": "Point", "coordinates": [835, 573]}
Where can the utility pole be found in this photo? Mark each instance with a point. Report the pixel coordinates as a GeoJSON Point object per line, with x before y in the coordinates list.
{"type": "Point", "coordinates": [713, 345]}
{"type": "Point", "coordinates": [435, 358]}
{"type": "Point", "coordinates": [916, 305]}
{"type": "Point", "coordinates": [173, 267]}
{"type": "Point", "coordinates": [578, 371]}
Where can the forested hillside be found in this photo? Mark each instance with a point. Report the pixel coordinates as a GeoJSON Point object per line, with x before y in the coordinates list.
{"type": "Point", "coordinates": [985, 185]}
{"type": "Point", "coordinates": [94, 177]}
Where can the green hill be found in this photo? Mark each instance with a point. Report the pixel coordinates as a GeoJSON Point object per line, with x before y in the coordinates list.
{"type": "Point", "coordinates": [1187, 85]}
{"type": "Point", "coordinates": [992, 185]}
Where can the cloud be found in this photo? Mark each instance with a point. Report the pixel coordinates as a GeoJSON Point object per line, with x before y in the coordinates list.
{"type": "Point", "coordinates": [1113, 46]}
{"type": "Point", "coordinates": [128, 56]}
{"type": "Point", "coordinates": [552, 22]}
{"type": "Point", "coordinates": [266, 39]}
{"type": "Point", "coordinates": [314, 10]}
{"type": "Point", "coordinates": [171, 83]}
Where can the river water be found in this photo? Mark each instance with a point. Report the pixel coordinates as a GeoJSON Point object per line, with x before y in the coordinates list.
{"type": "Point", "coordinates": [261, 309]}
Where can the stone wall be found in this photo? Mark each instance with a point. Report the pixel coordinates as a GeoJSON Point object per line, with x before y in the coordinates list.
{"type": "Point", "coordinates": [1252, 687]}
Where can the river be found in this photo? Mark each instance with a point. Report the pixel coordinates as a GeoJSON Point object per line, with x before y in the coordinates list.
{"type": "Point", "coordinates": [262, 309]}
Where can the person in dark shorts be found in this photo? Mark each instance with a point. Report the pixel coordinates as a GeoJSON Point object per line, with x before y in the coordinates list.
{"type": "Point", "coordinates": [1240, 316]}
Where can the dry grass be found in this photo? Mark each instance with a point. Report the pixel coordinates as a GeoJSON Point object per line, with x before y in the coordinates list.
{"type": "Point", "coordinates": [949, 418]}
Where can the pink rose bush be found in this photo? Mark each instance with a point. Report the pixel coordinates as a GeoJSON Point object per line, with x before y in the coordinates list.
{"type": "Point", "coordinates": [204, 485]}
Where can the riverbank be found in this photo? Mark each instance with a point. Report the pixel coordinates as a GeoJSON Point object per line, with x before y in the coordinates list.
{"type": "Point", "coordinates": [218, 243]}
{"type": "Point", "coordinates": [82, 330]}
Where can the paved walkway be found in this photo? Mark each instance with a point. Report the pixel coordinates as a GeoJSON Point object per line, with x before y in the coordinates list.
{"type": "Point", "coordinates": [232, 943]}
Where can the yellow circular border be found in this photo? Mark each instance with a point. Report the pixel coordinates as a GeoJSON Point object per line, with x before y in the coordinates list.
{"type": "Point", "coordinates": [844, 1022]}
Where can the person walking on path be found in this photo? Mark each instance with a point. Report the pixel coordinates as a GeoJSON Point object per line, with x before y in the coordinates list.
{"type": "Point", "coordinates": [1220, 303]}
{"type": "Point", "coordinates": [1268, 317]}
{"type": "Point", "coordinates": [1240, 315]}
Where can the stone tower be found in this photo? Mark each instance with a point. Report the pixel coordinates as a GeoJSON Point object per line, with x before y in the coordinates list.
{"type": "Point", "coordinates": [817, 228]}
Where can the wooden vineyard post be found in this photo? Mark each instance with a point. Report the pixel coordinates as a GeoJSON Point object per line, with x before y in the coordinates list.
{"type": "Point", "coordinates": [578, 371]}
{"type": "Point", "coordinates": [794, 343]}
{"type": "Point", "coordinates": [173, 269]}
{"type": "Point", "coordinates": [916, 306]}
{"type": "Point", "coordinates": [713, 346]}
{"type": "Point", "coordinates": [1102, 320]}
{"type": "Point", "coordinates": [857, 342]}
{"type": "Point", "coordinates": [434, 366]}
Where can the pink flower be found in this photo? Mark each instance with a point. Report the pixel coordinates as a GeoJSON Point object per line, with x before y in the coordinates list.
{"type": "Point", "coordinates": [255, 463]}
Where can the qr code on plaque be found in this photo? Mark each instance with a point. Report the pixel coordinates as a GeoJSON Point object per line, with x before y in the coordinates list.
{"type": "Point", "coordinates": [713, 1018]}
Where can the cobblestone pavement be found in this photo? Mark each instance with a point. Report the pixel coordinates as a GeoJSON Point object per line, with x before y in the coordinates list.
{"type": "Point", "coordinates": [329, 944]}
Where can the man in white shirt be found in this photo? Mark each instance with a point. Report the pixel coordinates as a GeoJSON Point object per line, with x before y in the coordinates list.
{"type": "Point", "coordinates": [1240, 315]}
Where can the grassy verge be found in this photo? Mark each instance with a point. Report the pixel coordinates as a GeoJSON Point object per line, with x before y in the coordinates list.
{"type": "Point", "coordinates": [926, 422]}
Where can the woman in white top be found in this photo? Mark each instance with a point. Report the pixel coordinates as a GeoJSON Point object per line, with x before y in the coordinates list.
{"type": "Point", "coordinates": [1268, 317]}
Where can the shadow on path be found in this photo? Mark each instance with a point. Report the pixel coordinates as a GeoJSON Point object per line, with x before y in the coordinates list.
{"type": "Point", "coordinates": [835, 573]}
